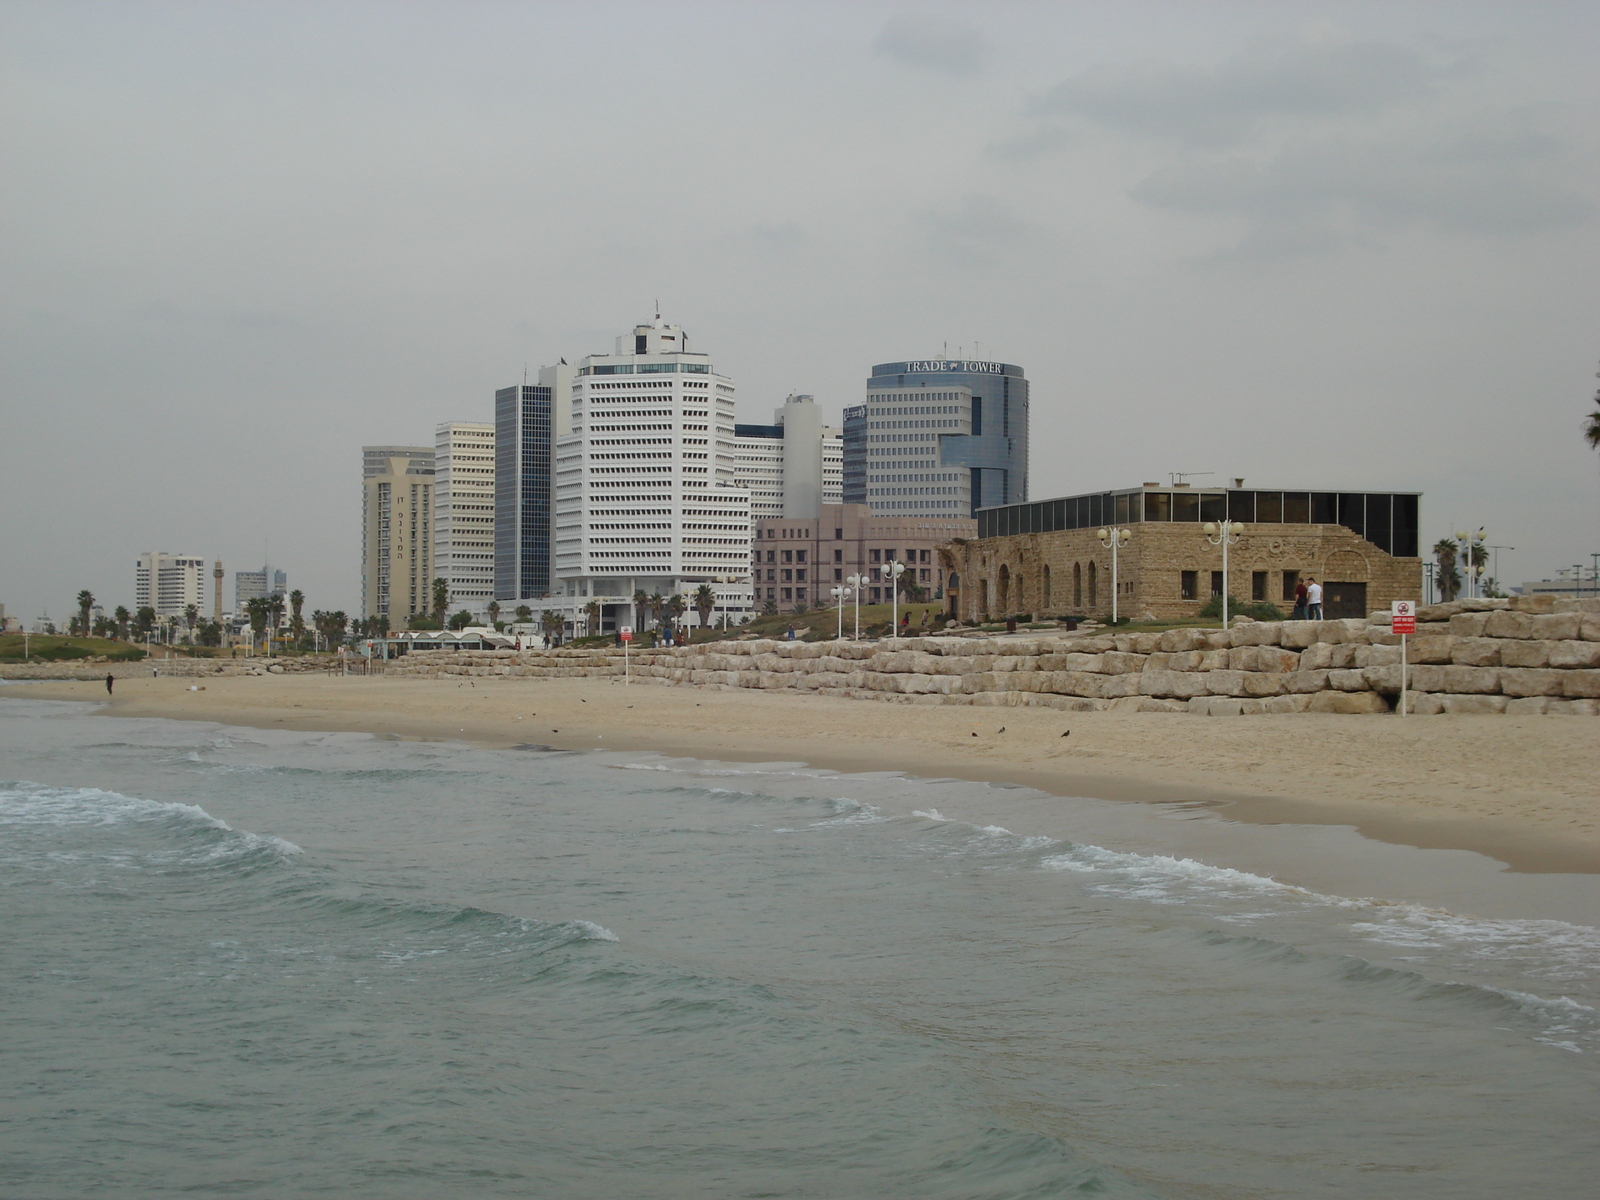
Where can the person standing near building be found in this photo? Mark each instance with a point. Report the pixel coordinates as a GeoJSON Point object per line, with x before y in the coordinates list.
{"type": "Point", "coordinates": [1314, 599]}
{"type": "Point", "coordinates": [1299, 613]}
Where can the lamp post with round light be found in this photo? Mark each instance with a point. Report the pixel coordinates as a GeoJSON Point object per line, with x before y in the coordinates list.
{"type": "Point", "coordinates": [1111, 539]}
{"type": "Point", "coordinates": [1224, 534]}
{"type": "Point", "coordinates": [857, 583]}
{"type": "Point", "coordinates": [840, 594]}
{"type": "Point", "coordinates": [1470, 544]}
{"type": "Point", "coordinates": [892, 572]}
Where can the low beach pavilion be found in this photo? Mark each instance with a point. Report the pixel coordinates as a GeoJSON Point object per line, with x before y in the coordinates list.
{"type": "Point", "coordinates": [1047, 559]}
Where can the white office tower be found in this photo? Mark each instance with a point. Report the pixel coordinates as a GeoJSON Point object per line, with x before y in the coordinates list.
{"type": "Point", "coordinates": [791, 466]}
{"type": "Point", "coordinates": [645, 494]}
{"type": "Point", "coordinates": [463, 513]}
{"type": "Point", "coordinates": [169, 583]}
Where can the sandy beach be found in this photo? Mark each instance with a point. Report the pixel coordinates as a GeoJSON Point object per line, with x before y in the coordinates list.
{"type": "Point", "coordinates": [1522, 790]}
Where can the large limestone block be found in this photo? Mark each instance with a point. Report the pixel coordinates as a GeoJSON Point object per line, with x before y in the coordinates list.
{"type": "Point", "coordinates": [1316, 657]}
{"type": "Point", "coordinates": [1117, 662]}
{"type": "Point", "coordinates": [1184, 660]}
{"type": "Point", "coordinates": [1530, 706]}
{"type": "Point", "coordinates": [1350, 703]}
{"type": "Point", "coordinates": [1179, 685]}
{"type": "Point", "coordinates": [1297, 635]}
{"type": "Point", "coordinates": [1531, 681]}
{"type": "Point", "coordinates": [1213, 660]}
{"type": "Point", "coordinates": [1286, 704]}
{"type": "Point", "coordinates": [1081, 662]}
{"type": "Point", "coordinates": [1575, 654]}
{"type": "Point", "coordinates": [1473, 705]}
{"type": "Point", "coordinates": [1306, 681]}
{"type": "Point", "coordinates": [1143, 643]}
{"type": "Point", "coordinates": [1225, 683]}
{"type": "Point", "coordinates": [1526, 654]}
{"type": "Point", "coordinates": [1377, 656]}
{"type": "Point", "coordinates": [1555, 627]}
{"type": "Point", "coordinates": [1342, 655]}
{"type": "Point", "coordinates": [983, 681]}
{"type": "Point", "coordinates": [1458, 680]}
{"type": "Point", "coordinates": [1111, 686]}
{"type": "Point", "coordinates": [1380, 636]}
{"type": "Point", "coordinates": [1265, 683]}
{"type": "Point", "coordinates": [1348, 680]}
{"type": "Point", "coordinates": [1258, 633]}
{"type": "Point", "coordinates": [1439, 612]}
{"type": "Point", "coordinates": [1096, 645]}
{"type": "Point", "coordinates": [1264, 657]}
{"type": "Point", "coordinates": [1533, 604]}
{"type": "Point", "coordinates": [1580, 684]}
{"type": "Point", "coordinates": [1591, 627]}
{"type": "Point", "coordinates": [1508, 625]}
{"type": "Point", "coordinates": [1586, 708]}
{"type": "Point", "coordinates": [1477, 651]}
{"type": "Point", "coordinates": [1351, 630]}
{"type": "Point", "coordinates": [1469, 624]}
{"type": "Point", "coordinates": [1222, 706]}
{"type": "Point", "coordinates": [1218, 639]}
{"type": "Point", "coordinates": [1384, 680]}
{"type": "Point", "coordinates": [1424, 704]}
{"type": "Point", "coordinates": [1177, 641]}
{"type": "Point", "coordinates": [1430, 649]}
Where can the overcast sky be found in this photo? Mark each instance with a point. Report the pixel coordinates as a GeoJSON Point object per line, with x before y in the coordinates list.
{"type": "Point", "coordinates": [1332, 245]}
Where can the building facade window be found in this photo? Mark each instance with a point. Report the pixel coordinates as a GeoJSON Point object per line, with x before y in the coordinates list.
{"type": "Point", "coordinates": [1189, 584]}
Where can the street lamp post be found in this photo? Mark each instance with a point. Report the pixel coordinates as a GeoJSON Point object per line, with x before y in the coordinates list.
{"type": "Point", "coordinates": [1224, 534]}
{"type": "Point", "coordinates": [1469, 543]}
{"type": "Point", "coordinates": [840, 594]}
{"type": "Point", "coordinates": [1111, 539]}
{"type": "Point", "coordinates": [856, 582]}
{"type": "Point", "coordinates": [892, 572]}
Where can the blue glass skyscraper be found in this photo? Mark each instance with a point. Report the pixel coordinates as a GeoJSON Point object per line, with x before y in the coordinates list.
{"type": "Point", "coordinates": [938, 437]}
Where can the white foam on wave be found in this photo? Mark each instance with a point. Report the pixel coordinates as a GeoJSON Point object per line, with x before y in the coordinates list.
{"type": "Point", "coordinates": [591, 932]}
{"type": "Point", "coordinates": [27, 803]}
{"type": "Point", "coordinates": [932, 814]}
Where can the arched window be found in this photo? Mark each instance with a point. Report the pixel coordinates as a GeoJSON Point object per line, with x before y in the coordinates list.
{"type": "Point", "coordinates": [1045, 579]}
{"type": "Point", "coordinates": [1005, 589]}
{"type": "Point", "coordinates": [1077, 585]}
{"type": "Point", "coordinates": [1093, 586]}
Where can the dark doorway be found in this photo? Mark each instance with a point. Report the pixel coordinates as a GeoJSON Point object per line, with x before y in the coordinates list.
{"type": "Point", "coordinates": [1342, 600]}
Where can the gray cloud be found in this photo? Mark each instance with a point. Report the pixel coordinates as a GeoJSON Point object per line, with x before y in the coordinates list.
{"type": "Point", "coordinates": [938, 45]}
{"type": "Point", "coordinates": [781, 235]}
{"type": "Point", "coordinates": [1497, 174]}
{"type": "Point", "coordinates": [1226, 103]}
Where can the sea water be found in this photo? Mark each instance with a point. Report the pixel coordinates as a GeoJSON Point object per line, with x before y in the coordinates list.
{"type": "Point", "coordinates": [251, 963]}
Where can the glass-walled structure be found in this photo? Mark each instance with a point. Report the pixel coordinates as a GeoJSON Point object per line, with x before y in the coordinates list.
{"type": "Point", "coordinates": [1386, 519]}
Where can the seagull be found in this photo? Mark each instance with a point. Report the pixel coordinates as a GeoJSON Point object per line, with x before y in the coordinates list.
{"type": "Point", "coordinates": [974, 733]}
{"type": "Point", "coordinates": [1068, 733]}
{"type": "Point", "coordinates": [1002, 729]}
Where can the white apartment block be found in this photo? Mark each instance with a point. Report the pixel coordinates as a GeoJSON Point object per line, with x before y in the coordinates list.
{"type": "Point", "coordinates": [396, 532]}
{"type": "Point", "coordinates": [169, 583]}
{"type": "Point", "coordinates": [792, 465]}
{"type": "Point", "coordinates": [646, 494]}
{"type": "Point", "coordinates": [463, 513]}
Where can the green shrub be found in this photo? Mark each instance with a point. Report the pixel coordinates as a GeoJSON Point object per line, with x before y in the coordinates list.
{"type": "Point", "coordinates": [1258, 610]}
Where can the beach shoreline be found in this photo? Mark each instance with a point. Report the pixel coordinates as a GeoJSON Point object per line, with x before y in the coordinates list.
{"type": "Point", "coordinates": [1518, 790]}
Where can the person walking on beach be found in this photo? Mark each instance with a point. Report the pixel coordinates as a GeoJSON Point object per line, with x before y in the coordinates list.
{"type": "Point", "coordinates": [1314, 599]}
{"type": "Point", "coordinates": [1299, 613]}
{"type": "Point", "coordinates": [110, 679]}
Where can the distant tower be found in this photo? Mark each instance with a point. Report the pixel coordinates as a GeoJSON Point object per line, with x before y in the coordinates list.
{"type": "Point", "coordinates": [216, 605]}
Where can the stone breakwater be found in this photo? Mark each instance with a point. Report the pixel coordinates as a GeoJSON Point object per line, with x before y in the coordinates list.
{"type": "Point", "coordinates": [181, 668]}
{"type": "Point", "coordinates": [1525, 656]}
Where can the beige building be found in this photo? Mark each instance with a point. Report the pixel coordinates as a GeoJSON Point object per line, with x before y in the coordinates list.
{"type": "Point", "coordinates": [396, 532]}
{"type": "Point", "coordinates": [169, 583]}
{"type": "Point", "coordinates": [797, 560]}
{"type": "Point", "coordinates": [463, 513]}
{"type": "Point", "coordinates": [1046, 558]}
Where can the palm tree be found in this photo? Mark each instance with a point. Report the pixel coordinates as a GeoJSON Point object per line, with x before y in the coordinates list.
{"type": "Point", "coordinates": [258, 608]}
{"type": "Point", "coordinates": [550, 621]}
{"type": "Point", "coordinates": [524, 613]}
{"type": "Point", "coordinates": [143, 621]}
{"type": "Point", "coordinates": [297, 623]}
{"type": "Point", "coordinates": [641, 607]}
{"type": "Point", "coordinates": [85, 603]}
{"type": "Point", "coordinates": [705, 600]}
{"type": "Point", "coordinates": [1591, 423]}
{"type": "Point", "coordinates": [494, 613]}
{"type": "Point", "coordinates": [441, 598]}
{"type": "Point", "coordinates": [122, 621]}
{"type": "Point", "coordinates": [591, 616]}
{"type": "Point", "coordinates": [1446, 574]}
{"type": "Point", "coordinates": [676, 607]}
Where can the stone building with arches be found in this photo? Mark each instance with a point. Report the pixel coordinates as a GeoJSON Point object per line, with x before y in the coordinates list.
{"type": "Point", "coordinates": [1045, 558]}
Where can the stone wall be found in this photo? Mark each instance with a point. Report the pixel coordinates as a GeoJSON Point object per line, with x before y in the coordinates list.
{"type": "Point", "coordinates": [1534, 656]}
{"type": "Point", "coordinates": [182, 668]}
{"type": "Point", "coordinates": [1068, 573]}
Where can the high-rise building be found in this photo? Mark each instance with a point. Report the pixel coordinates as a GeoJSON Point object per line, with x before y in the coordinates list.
{"type": "Point", "coordinates": [938, 437]}
{"type": "Point", "coordinates": [463, 513]}
{"type": "Point", "coordinates": [527, 421]}
{"type": "Point", "coordinates": [253, 585]}
{"type": "Point", "coordinates": [396, 531]}
{"type": "Point", "coordinates": [169, 583]}
{"type": "Point", "coordinates": [646, 497]}
{"type": "Point", "coordinates": [791, 466]}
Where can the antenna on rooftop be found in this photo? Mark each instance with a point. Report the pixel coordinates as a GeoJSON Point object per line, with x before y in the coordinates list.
{"type": "Point", "coordinates": [1178, 477]}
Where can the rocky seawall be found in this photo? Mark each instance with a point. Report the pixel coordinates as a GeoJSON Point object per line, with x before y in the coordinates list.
{"type": "Point", "coordinates": [1529, 656]}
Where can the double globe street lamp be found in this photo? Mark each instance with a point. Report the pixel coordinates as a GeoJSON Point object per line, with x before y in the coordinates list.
{"type": "Point", "coordinates": [1224, 534]}
{"type": "Point", "coordinates": [857, 584]}
{"type": "Point", "coordinates": [840, 594]}
{"type": "Point", "coordinates": [1111, 539]}
{"type": "Point", "coordinates": [892, 572]}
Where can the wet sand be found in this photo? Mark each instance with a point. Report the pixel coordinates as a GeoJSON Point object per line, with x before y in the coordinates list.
{"type": "Point", "coordinates": [1524, 791]}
